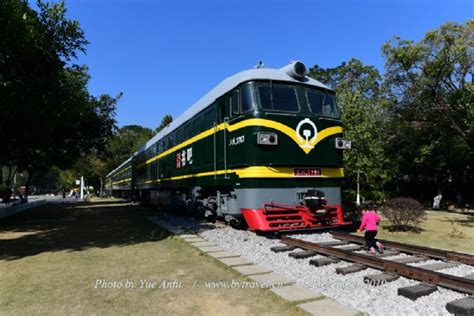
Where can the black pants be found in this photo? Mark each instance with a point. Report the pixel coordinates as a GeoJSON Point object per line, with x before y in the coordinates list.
{"type": "Point", "coordinates": [370, 239]}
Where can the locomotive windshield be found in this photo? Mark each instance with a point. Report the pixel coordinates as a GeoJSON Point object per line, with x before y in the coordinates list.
{"type": "Point", "coordinates": [284, 98]}
{"type": "Point", "coordinates": [321, 103]}
{"type": "Point", "coordinates": [278, 97]}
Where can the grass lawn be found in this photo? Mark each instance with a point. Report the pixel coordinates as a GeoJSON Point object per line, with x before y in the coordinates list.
{"type": "Point", "coordinates": [453, 231]}
{"type": "Point", "coordinates": [51, 259]}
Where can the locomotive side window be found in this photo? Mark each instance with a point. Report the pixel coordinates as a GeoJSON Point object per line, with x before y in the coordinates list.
{"type": "Point", "coordinates": [197, 125]}
{"type": "Point", "coordinates": [187, 131]}
{"type": "Point", "coordinates": [223, 108]}
{"type": "Point", "coordinates": [208, 119]}
{"type": "Point", "coordinates": [246, 97]}
{"type": "Point", "coordinates": [330, 108]}
{"type": "Point", "coordinates": [278, 97]}
{"type": "Point", "coordinates": [179, 136]}
{"type": "Point", "coordinates": [234, 102]}
{"type": "Point", "coordinates": [265, 93]}
{"type": "Point", "coordinates": [322, 104]}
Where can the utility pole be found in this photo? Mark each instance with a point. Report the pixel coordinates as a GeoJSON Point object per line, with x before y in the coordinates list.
{"type": "Point", "coordinates": [82, 188]}
{"type": "Point", "coordinates": [14, 185]}
{"type": "Point", "coordinates": [358, 188]}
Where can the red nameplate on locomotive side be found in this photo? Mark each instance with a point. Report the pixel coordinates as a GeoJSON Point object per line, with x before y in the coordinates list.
{"type": "Point", "coordinates": [307, 172]}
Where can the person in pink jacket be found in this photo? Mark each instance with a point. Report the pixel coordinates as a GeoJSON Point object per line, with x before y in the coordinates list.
{"type": "Point", "coordinates": [370, 220]}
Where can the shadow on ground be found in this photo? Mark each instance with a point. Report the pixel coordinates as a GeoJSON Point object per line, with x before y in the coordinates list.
{"type": "Point", "coordinates": [468, 221]}
{"type": "Point", "coordinates": [75, 228]}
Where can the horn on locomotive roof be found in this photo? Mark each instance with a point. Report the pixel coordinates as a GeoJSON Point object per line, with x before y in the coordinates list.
{"type": "Point", "coordinates": [259, 65]}
{"type": "Point", "coordinates": [295, 69]}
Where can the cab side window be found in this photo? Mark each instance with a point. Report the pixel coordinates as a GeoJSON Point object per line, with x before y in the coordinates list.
{"type": "Point", "coordinates": [223, 110]}
{"type": "Point", "coordinates": [234, 103]}
{"type": "Point", "coordinates": [246, 97]}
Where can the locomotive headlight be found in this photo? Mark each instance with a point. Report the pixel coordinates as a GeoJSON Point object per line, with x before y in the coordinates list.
{"type": "Point", "coordinates": [343, 144]}
{"type": "Point", "coordinates": [267, 138]}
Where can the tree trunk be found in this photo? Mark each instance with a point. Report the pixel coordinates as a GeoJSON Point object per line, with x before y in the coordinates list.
{"type": "Point", "coordinates": [27, 185]}
{"type": "Point", "coordinates": [101, 186]}
{"type": "Point", "coordinates": [10, 176]}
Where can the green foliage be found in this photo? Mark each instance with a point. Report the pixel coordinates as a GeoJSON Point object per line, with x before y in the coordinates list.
{"type": "Point", "coordinates": [375, 196]}
{"type": "Point", "coordinates": [432, 129]}
{"type": "Point", "coordinates": [361, 99]}
{"type": "Point", "coordinates": [403, 213]}
{"type": "Point", "coordinates": [48, 116]}
{"type": "Point", "coordinates": [124, 143]}
{"type": "Point", "coordinates": [348, 195]}
{"type": "Point", "coordinates": [165, 121]}
{"type": "Point", "coordinates": [66, 179]}
{"type": "Point", "coordinates": [3, 188]}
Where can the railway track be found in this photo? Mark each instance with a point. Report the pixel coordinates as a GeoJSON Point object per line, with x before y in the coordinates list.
{"type": "Point", "coordinates": [391, 269]}
{"type": "Point", "coordinates": [413, 249]}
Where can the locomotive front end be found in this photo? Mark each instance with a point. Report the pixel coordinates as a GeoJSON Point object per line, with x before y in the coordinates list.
{"type": "Point", "coordinates": [295, 169]}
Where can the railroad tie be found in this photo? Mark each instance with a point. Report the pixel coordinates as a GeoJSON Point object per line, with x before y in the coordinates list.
{"type": "Point", "coordinates": [350, 269]}
{"type": "Point", "coordinates": [303, 254]}
{"type": "Point", "coordinates": [282, 248]}
{"type": "Point", "coordinates": [439, 265]}
{"type": "Point", "coordinates": [380, 278]}
{"type": "Point", "coordinates": [351, 247]}
{"type": "Point", "coordinates": [418, 290]}
{"type": "Point", "coordinates": [323, 261]}
{"type": "Point", "coordinates": [387, 253]}
{"type": "Point", "coordinates": [334, 243]}
{"type": "Point", "coordinates": [410, 259]}
{"type": "Point", "coordinates": [463, 306]}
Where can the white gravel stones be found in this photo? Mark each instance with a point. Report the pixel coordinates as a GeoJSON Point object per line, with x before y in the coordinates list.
{"type": "Point", "coordinates": [348, 290]}
{"type": "Point", "coordinates": [460, 271]}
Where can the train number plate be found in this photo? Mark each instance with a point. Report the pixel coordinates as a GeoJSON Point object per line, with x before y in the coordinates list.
{"type": "Point", "coordinates": [307, 172]}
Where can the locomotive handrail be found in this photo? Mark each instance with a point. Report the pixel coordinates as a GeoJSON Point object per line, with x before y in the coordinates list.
{"type": "Point", "coordinates": [215, 150]}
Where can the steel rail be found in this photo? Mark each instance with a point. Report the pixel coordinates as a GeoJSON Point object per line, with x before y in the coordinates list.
{"type": "Point", "coordinates": [424, 275]}
{"type": "Point", "coordinates": [413, 249]}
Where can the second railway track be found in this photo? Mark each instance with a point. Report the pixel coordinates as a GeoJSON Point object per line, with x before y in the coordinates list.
{"type": "Point", "coordinates": [413, 249]}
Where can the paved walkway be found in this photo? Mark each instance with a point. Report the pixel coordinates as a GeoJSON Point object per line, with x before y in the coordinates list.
{"type": "Point", "coordinates": [306, 299]}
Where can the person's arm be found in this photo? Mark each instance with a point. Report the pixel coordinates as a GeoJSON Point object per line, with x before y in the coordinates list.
{"type": "Point", "coordinates": [362, 225]}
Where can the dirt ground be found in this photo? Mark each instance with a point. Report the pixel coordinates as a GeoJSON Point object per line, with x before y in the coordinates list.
{"type": "Point", "coordinates": [107, 258]}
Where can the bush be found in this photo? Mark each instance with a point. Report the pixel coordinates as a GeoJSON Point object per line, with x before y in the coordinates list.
{"type": "Point", "coordinates": [403, 213]}
{"type": "Point", "coordinates": [3, 188]}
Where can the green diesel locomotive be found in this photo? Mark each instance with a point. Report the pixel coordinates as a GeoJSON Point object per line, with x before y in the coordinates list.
{"type": "Point", "coordinates": [263, 148]}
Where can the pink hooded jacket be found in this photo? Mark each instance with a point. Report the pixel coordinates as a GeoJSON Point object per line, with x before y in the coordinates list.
{"type": "Point", "coordinates": [369, 221]}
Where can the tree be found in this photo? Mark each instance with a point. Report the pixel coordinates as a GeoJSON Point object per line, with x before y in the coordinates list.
{"type": "Point", "coordinates": [48, 116]}
{"type": "Point", "coordinates": [432, 132]}
{"type": "Point", "coordinates": [165, 121]}
{"type": "Point", "coordinates": [361, 98]}
{"type": "Point", "coordinates": [124, 143]}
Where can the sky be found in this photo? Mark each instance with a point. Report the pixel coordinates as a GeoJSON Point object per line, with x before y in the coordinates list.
{"type": "Point", "coordinates": [166, 55]}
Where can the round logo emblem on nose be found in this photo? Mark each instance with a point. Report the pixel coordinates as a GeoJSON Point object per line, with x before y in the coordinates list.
{"type": "Point", "coordinates": [307, 136]}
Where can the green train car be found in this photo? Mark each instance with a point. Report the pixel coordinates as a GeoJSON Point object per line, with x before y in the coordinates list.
{"type": "Point", "coordinates": [263, 148]}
